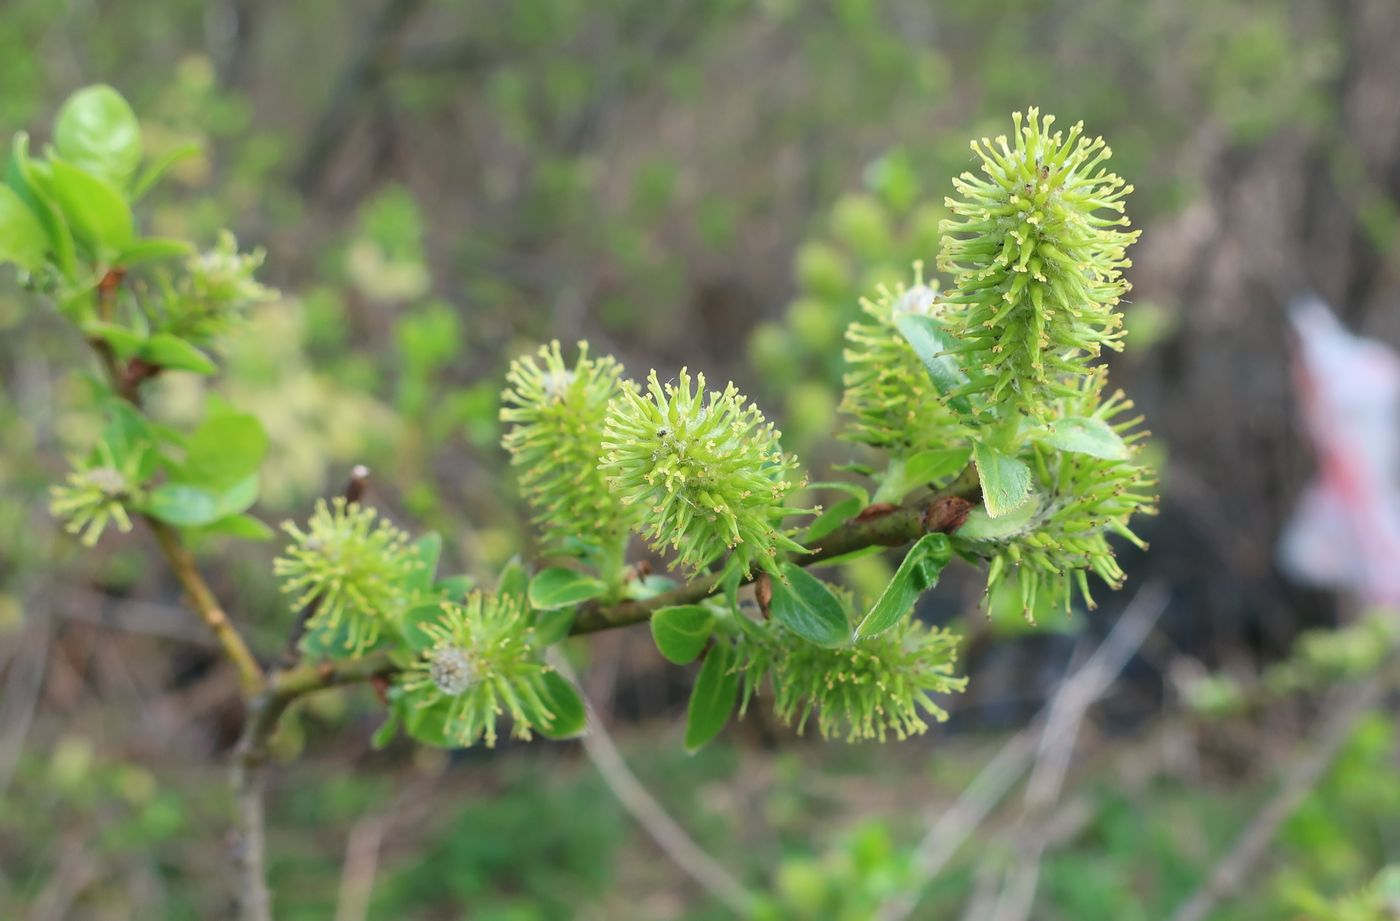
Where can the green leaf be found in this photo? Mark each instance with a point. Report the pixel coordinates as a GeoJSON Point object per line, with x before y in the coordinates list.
{"type": "Point", "coordinates": [929, 341]}
{"type": "Point", "coordinates": [97, 130]}
{"type": "Point", "coordinates": [152, 249]}
{"type": "Point", "coordinates": [553, 626]}
{"type": "Point", "coordinates": [1006, 481]}
{"type": "Point", "coordinates": [832, 518]}
{"type": "Point", "coordinates": [916, 574]}
{"type": "Point", "coordinates": [936, 464]}
{"type": "Point", "coordinates": [170, 351]}
{"type": "Point", "coordinates": [566, 704]}
{"type": "Point", "coordinates": [713, 698]}
{"type": "Point", "coordinates": [386, 731]}
{"type": "Point", "coordinates": [455, 587]}
{"type": "Point", "coordinates": [411, 625]}
{"type": "Point", "coordinates": [225, 450]}
{"type": "Point", "coordinates": [681, 632]}
{"type": "Point", "coordinates": [429, 550]}
{"type": "Point", "coordinates": [514, 582]}
{"type": "Point", "coordinates": [96, 211]}
{"type": "Point", "coordinates": [649, 586]}
{"type": "Point", "coordinates": [808, 608]}
{"type": "Point", "coordinates": [429, 724]}
{"type": "Point", "coordinates": [558, 587]}
{"type": "Point", "coordinates": [157, 169]}
{"type": "Point", "coordinates": [19, 175]}
{"type": "Point", "coordinates": [183, 505]}
{"type": "Point", "coordinates": [125, 342]}
{"type": "Point", "coordinates": [245, 527]}
{"type": "Point", "coordinates": [22, 238]}
{"type": "Point", "coordinates": [1083, 435]}
{"type": "Point", "coordinates": [981, 526]}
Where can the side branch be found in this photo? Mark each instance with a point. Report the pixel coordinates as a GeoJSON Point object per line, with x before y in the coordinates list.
{"type": "Point", "coordinates": [941, 510]}
{"type": "Point", "coordinates": [201, 598]}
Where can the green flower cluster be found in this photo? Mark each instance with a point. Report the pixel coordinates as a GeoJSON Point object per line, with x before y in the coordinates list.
{"type": "Point", "coordinates": [893, 403]}
{"type": "Point", "coordinates": [218, 288]}
{"type": "Point", "coordinates": [871, 688]}
{"type": "Point", "coordinates": [477, 662]}
{"type": "Point", "coordinates": [354, 566]}
{"type": "Point", "coordinates": [704, 472]}
{"type": "Point", "coordinates": [1060, 534]}
{"type": "Point", "coordinates": [98, 491]}
{"type": "Point", "coordinates": [557, 415]}
{"type": "Point", "coordinates": [1036, 251]}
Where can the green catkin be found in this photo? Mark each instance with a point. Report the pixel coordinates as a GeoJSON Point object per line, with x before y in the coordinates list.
{"type": "Point", "coordinates": [1036, 250]}
{"type": "Point", "coordinates": [892, 402]}
{"type": "Point", "coordinates": [704, 473]}
{"type": "Point", "coordinates": [353, 565]}
{"type": "Point", "coordinates": [482, 665]}
{"type": "Point", "coordinates": [556, 415]}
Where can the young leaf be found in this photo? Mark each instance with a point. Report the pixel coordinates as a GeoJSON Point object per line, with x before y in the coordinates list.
{"type": "Point", "coordinates": [681, 632]}
{"type": "Point", "coordinates": [808, 608]}
{"type": "Point", "coordinates": [183, 505]}
{"type": "Point", "coordinates": [930, 340]}
{"type": "Point", "coordinates": [1083, 435]}
{"type": "Point", "coordinates": [96, 211]}
{"type": "Point", "coordinates": [245, 527]}
{"type": "Point", "coordinates": [22, 238]}
{"type": "Point", "coordinates": [982, 527]}
{"type": "Point", "coordinates": [19, 175]}
{"type": "Point", "coordinates": [154, 172]}
{"type": "Point", "coordinates": [557, 587]}
{"type": "Point", "coordinates": [916, 574]}
{"type": "Point", "coordinates": [152, 249]}
{"type": "Point", "coordinates": [713, 698]}
{"type": "Point", "coordinates": [833, 518]}
{"type": "Point", "coordinates": [170, 351]}
{"type": "Point", "coordinates": [97, 131]}
{"type": "Point", "coordinates": [225, 450]}
{"type": "Point", "coordinates": [936, 464]}
{"type": "Point", "coordinates": [125, 342]}
{"type": "Point", "coordinates": [411, 625]}
{"type": "Point", "coordinates": [514, 582]}
{"type": "Point", "coordinates": [552, 626]}
{"type": "Point", "coordinates": [429, 550]}
{"type": "Point", "coordinates": [1006, 481]}
{"type": "Point", "coordinates": [566, 705]}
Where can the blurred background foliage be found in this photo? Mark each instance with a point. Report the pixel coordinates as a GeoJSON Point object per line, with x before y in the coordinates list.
{"type": "Point", "coordinates": [440, 184]}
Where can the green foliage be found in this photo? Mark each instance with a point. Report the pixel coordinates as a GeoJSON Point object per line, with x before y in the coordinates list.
{"type": "Point", "coordinates": [354, 566]}
{"type": "Point", "coordinates": [98, 490]}
{"type": "Point", "coordinates": [704, 473]}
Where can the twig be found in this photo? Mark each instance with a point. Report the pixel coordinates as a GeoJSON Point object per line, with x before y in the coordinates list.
{"type": "Point", "coordinates": [946, 835]}
{"type": "Point", "coordinates": [920, 515]}
{"type": "Point", "coordinates": [361, 864]}
{"type": "Point", "coordinates": [1336, 725]}
{"type": "Point", "coordinates": [201, 598]}
{"type": "Point", "coordinates": [652, 816]}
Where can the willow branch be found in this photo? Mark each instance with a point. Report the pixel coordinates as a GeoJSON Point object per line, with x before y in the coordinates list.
{"type": "Point", "coordinates": [201, 598]}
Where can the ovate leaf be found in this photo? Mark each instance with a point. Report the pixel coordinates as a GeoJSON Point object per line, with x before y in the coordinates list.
{"type": "Point", "coordinates": [97, 212]}
{"type": "Point", "coordinates": [937, 464]}
{"type": "Point", "coordinates": [681, 632]}
{"type": "Point", "coordinates": [808, 608]}
{"type": "Point", "coordinates": [169, 351]}
{"type": "Point", "coordinates": [930, 340]}
{"type": "Point", "coordinates": [23, 240]}
{"type": "Point", "coordinates": [1083, 435]}
{"type": "Point", "coordinates": [557, 587]}
{"type": "Point", "coordinates": [1006, 481]}
{"type": "Point", "coordinates": [565, 704]}
{"type": "Point", "coordinates": [916, 574]}
{"type": "Point", "coordinates": [97, 131]}
{"type": "Point", "coordinates": [713, 698]}
{"type": "Point", "coordinates": [226, 449]}
{"type": "Point", "coordinates": [19, 175]}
